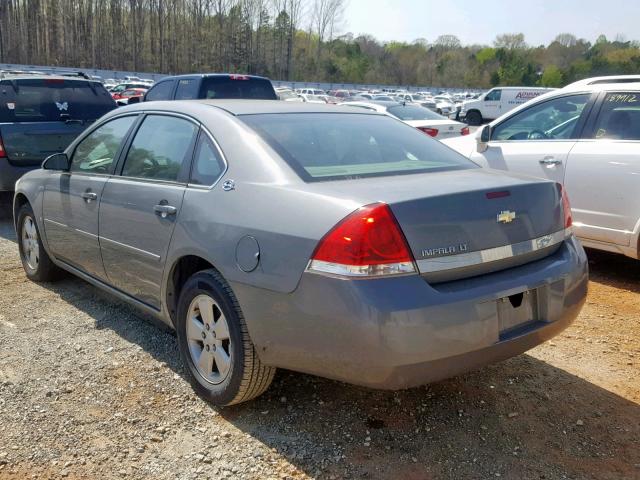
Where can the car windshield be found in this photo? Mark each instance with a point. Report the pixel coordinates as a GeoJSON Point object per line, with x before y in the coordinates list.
{"type": "Point", "coordinates": [413, 112]}
{"type": "Point", "coordinates": [340, 146]}
{"type": "Point", "coordinates": [237, 86]}
{"type": "Point", "coordinates": [53, 99]}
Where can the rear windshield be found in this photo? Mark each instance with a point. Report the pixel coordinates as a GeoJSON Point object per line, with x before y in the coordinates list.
{"type": "Point", "coordinates": [413, 112]}
{"type": "Point", "coordinates": [338, 146]}
{"type": "Point", "coordinates": [238, 86]}
{"type": "Point", "coordinates": [50, 100]}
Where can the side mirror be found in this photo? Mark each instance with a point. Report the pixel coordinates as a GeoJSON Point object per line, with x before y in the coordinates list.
{"type": "Point", "coordinates": [483, 137]}
{"type": "Point", "coordinates": [57, 161]}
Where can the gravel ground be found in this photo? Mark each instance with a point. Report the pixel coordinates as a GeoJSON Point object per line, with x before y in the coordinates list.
{"type": "Point", "coordinates": [90, 388]}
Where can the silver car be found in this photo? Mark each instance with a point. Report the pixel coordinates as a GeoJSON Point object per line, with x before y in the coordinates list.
{"type": "Point", "coordinates": [315, 238]}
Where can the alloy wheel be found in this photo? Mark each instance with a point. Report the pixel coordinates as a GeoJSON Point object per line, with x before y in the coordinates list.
{"type": "Point", "coordinates": [208, 338]}
{"type": "Point", "coordinates": [30, 244]}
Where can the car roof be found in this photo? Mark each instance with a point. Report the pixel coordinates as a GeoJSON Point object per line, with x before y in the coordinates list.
{"type": "Point", "coordinates": [598, 84]}
{"type": "Point", "coordinates": [206, 75]}
{"type": "Point", "coordinates": [27, 76]}
{"type": "Point", "coordinates": [247, 107]}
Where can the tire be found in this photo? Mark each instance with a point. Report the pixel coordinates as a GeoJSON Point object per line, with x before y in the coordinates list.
{"type": "Point", "coordinates": [210, 326]}
{"type": "Point", "coordinates": [474, 118]}
{"type": "Point", "coordinates": [36, 262]}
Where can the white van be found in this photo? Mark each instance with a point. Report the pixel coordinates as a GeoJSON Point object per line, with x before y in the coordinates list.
{"type": "Point", "coordinates": [496, 102]}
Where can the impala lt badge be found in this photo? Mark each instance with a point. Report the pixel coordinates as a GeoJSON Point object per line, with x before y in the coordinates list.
{"type": "Point", "coordinates": [506, 216]}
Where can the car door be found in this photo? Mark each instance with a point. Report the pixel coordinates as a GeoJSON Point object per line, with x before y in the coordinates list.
{"type": "Point", "coordinates": [491, 104]}
{"type": "Point", "coordinates": [602, 173]}
{"type": "Point", "coordinates": [140, 206]}
{"type": "Point", "coordinates": [537, 140]}
{"type": "Point", "coordinates": [71, 199]}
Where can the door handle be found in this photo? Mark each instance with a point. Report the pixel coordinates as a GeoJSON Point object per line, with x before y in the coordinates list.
{"type": "Point", "coordinates": [550, 161]}
{"type": "Point", "coordinates": [89, 196]}
{"type": "Point", "coordinates": [165, 210]}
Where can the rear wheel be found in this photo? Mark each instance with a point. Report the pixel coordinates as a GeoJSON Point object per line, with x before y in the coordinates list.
{"type": "Point", "coordinates": [35, 260]}
{"type": "Point", "coordinates": [474, 118]}
{"type": "Point", "coordinates": [215, 346]}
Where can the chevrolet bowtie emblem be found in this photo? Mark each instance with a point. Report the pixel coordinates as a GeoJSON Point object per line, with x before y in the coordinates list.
{"type": "Point", "coordinates": [506, 216]}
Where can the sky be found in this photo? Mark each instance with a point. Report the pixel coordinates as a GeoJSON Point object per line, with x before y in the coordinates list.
{"type": "Point", "coordinates": [480, 21]}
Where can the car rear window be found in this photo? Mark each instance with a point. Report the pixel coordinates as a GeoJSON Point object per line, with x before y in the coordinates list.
{"type": "Point", "coordinates": [413, 112]}
{"type": "Point", "coordinates": [49, 100]}
{"type": "Point", "coordinates": [340, 146]}
{"type": "Point", "coordinates": [237, 86]}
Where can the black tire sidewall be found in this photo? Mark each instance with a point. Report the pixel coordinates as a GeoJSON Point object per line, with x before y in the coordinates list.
{"type": "Point", "coordinates": [225, 392]}
{"type": "Point", "coordinates": [24, 212]}
{"type": "Point", "coordinates": [474, 118]}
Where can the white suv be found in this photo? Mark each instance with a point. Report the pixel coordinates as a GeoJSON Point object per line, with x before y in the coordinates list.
{"type": "Point", "coordinates": [585, 136]}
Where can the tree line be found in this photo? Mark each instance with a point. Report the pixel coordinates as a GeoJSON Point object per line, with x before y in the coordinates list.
{"type": "Point", "coordinates": [297, 40]}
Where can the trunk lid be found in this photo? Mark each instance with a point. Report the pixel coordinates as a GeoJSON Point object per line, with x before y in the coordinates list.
{"type": "Point", "coordinates": [460, 223]}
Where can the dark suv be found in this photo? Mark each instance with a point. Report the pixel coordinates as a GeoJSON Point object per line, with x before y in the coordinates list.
{"type": "Point", "coordinates": [41, 115]}
{"type": "Point", "coordinates": [214, 85]}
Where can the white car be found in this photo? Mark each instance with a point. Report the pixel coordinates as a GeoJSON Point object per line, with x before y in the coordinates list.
{"type": "Point", "coordinates": [313, 98]}
{"type": "Point", "coordinates": [444, 105]}
{"type": "Point", "coordinates": [419, 117]}
{"type": "Point", "coordinates": [288, 95]}
{"type": "Point", "coordinates": [497, 102]}
{"type": "Point", "coordinates": [586, 137]}
{"type": "Point", "coordinates": [310, 91]}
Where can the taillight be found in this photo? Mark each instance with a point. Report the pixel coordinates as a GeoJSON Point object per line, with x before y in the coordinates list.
{"type": "Point", "coordinates": [566, 208]}
{"type": "Point", "coordinates": [366, 243]}
{"type": "Point", "coordinates": [3, 152]}
{"type": "Point", "coordinates": [464, 131]}
{"type": "Point", "coordinates": [433, 132]}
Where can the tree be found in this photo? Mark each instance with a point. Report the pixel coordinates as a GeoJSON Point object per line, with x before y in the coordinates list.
{"type": "Point", "coordinates": [552, 77]}
{"type": "Point", "coordinates": [567, 40]}
{"type": "Point", "coordinates": [510, 41]}
{"type": "Point", "coordinates": [447, 42]}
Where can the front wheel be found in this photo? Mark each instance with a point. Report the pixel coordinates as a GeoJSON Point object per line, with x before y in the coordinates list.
{"type": "Point", "coordinates": [215, 346]}
{"type": "Point", "coordinates": [36, 262]}
{"type": "Point", "coordinates": [474, 118]}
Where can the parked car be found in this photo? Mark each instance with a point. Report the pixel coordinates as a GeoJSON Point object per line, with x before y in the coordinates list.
{"type": "Point", "coordinates": [586, 137]}
{"type": "Point", "coordinates": [444, 105]}
{"type": "Point", "coordinates": [497, 102]}
{"type": "Point", "coordinates": [322, 239]}
{"type": "Point", "coordinates": [288, 95]}
{"type": "Point", "coordinates": [308, 98]}
{"type": "Point", "coordinates": [310, 91]}
{"type": "Point", "coordinates": [131, 95]}
{"type": "Point", "coordinates": [212, 86]}
{"type": "Point", "coordinates": [41, 115]}
{"type": "Point", "coordinates": [418, 117]}
{"type": "Point", "coordinates": [116, 92]}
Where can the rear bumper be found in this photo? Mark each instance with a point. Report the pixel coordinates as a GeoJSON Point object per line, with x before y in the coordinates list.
{"type": "Point", "coordinates": [402, 332]}
{"type": "Point", "coordinates": [9, 174]}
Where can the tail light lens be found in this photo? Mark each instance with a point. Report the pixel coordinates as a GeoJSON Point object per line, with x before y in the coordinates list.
{"type": "Point", "coordinates": [3, 152]}
{"type": "Point", "coordinates": [433, 132]}
{"type": "Point", "coordinates": [566, 208]}
{"type": "Point", "coordinates": [464, 131]}
{"type": "Point", "coordinates": [367, 243]}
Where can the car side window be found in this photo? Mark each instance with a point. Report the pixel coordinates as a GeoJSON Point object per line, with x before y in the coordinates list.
{"type": "Point", "coordinates": [187, 89]}
{"type": "Point", "coordinates": [160, 91]}
{"type": "Point", "coordinates": [493, 96]}
{"type": "Point", "coordinates": [619, 117]}
{"type": "Point", "coordinates": [551, 120]}
{"type": "Point", "coordinates": [208, 164]}
{"type": "Point", "coordinates": [96, 153]}
{"type": "Point", "coordinates": [160, 148]}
